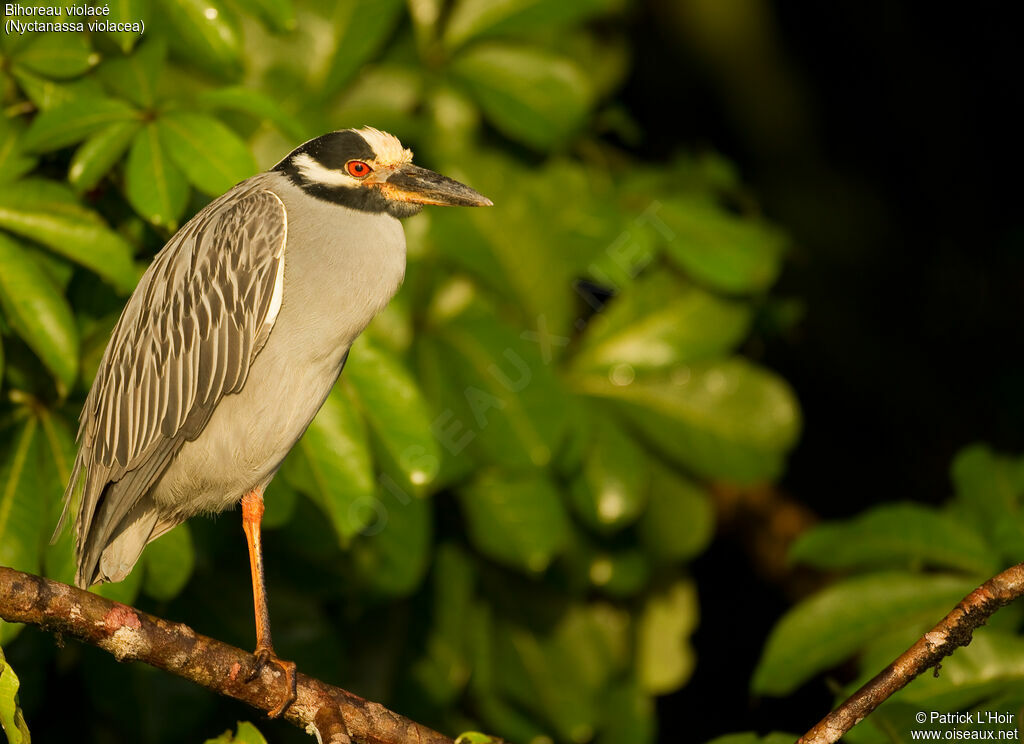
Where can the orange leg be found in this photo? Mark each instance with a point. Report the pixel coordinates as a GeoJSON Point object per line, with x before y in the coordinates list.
{"type": "Point", "coordinates": [252, 514]}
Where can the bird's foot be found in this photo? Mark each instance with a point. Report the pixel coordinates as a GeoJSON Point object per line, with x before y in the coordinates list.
{"type": "Point", "coordinates": [262, 657]}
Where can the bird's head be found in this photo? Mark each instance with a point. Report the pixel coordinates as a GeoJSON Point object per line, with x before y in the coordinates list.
{"type": "Point", "coordinates": [369, 170]}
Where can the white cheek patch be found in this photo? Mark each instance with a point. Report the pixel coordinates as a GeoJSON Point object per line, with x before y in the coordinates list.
{"type": "Point", "coordinates": [314, 172]}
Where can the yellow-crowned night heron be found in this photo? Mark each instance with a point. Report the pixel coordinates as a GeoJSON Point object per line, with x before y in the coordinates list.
{"type": "Point", "coordinates": [231, 343]}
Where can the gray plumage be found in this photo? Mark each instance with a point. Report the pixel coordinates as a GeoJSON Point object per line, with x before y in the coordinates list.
{"type": "Point", "coordinates": [200, 315]}
{"type": "Point", "coordinates": [235, 336]}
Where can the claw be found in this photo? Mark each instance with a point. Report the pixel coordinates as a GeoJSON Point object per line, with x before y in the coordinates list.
{"type": "Point", "coordinates": [264, 656]}
{"type": "Point", "coordinates": [260, 658]}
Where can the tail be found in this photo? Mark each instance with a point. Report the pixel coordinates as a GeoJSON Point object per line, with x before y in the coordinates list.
{"type": "Point", "coordinates": [115, 518]}
{"type": "Point", "coordinates": [110, 554]}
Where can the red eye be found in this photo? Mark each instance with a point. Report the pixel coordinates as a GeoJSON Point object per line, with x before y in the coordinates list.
{"type": "Point", "coordinates": [358, 169]}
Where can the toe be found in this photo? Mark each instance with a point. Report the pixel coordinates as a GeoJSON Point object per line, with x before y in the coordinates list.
{"type": "Point", "coordinates": [288, 667]}
{"type": "Point", "coordinates": [264, 656]}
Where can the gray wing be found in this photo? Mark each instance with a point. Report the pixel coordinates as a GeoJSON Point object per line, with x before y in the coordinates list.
{"type": "Point", "coordinates": [187, 338]}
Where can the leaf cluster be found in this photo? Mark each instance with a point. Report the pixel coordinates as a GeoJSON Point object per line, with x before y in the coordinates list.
{"type": "Point", "coordinates": [902, 567]}
{"type": "Point", "coordinates": [488, 523]}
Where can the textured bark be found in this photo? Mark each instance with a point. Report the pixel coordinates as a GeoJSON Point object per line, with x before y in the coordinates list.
{"type": "Point", "coordinates": [330, 713]}
{"type": "Point", "coordinates": [955, 630]}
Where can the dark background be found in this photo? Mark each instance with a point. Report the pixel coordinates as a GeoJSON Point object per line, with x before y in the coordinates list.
{"type": "Point", "coordinates": [885, 136]}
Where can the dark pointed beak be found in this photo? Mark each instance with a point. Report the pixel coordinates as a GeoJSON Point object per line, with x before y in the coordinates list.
{"type": "Point", "coordinates": [410, 183]}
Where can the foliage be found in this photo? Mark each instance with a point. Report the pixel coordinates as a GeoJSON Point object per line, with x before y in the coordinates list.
{"type": "Point", "coordinates": [776, 737]}
{"type": "Point", "coordinates": [904, 567]}
{"type": "Point", "coordinates": [12, 722]}
{"type": "Point", "coordinates": [489, 522]}
{"type": "Point", "coordinates": [245, 734]}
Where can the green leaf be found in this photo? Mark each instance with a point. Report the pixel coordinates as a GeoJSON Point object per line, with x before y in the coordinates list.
{"type": "Point", "coordinates": [48, 213]}
{"type": "Point", "coordinates": [664, 656]}
{"type": "Point", "coordinates": [38, 313]}
{"type": "Point", "coordinates": [212, 157]}
{"type": "Point", "coordinates": [396, 413]}
{"type": "Point", "coordinates": [279, 15]}
{"type": "Point", "coordinates": [169, 561]}
{"type": "Point", "coordinates": [246, 734]}
{"type": "Point", "coordinates": [254, 103]}
{"type": "Point", "coordinates": [510, 720]}
{"type": "Point", "coordinates": [612, 489]}
{"type": "Point", "coordinates": [280, 499]}
{"type": "Point", "coordinates": [206, 34]}
{"type": "Point", "coordinates": [453, 117]}
{"type": "Point", "coordinates": [56, 268]}
{"type": "Point", "coordinates": [11, 44]}
{"type": "Point", "coordinates": [154, 185]}
{"type": "Point", "coordinates": [727, 420]}
{"type": "Point", "coordinates": [14, 163]}
{"type": "Point", "coordinates": [360, 28]}
{"type": "Point", "coordinates": [558, 672]}
{"type": "Point", "coordinates": [729, 253]}
{"type": "Point", "coordinates": [621, 573]}
{"type": "Point", "coordinates": [987, 499]}
{"type": "Point", "coordinates": [607, 60]}
{"type": "Point", "coordinates": [471, 19]}
{"type": "Point", "coordinates": [441, 673]}
{"type": "Point", "coordinates": [386, 93]}
{"type": "Point", "coordinates": [629, 716]}
{"type": "Point", "coordinates": [519, 251]}
{"type": "Point", "coordinates": [475, 737]}
{"type": "Point", "coordinates": [679, 521]}
{"type": "Point", "coordinates": [58, 55]}
{"type": "Point", "coordinates": [830, 626]}
{"type": "Point", "coordinates": [660, 322]}
{"type": "Point", "coordinates": [137, 76]}
{"type": "Point", "coordinates": [22, 510]}
{"type": "Point", "coordinates": [751, 738]}
{"type": "Point", "coordinates": [58, 456]}
{"type": "Point", "coordinates": [73, 121]}
{"type": "Point", "coordinates": [451, 426]}
{"type": "Point", "coordinates": [11, 719]}
{"type": "Point", "coordinates": [47, 94]}
{"type": "Point", "coordinates": [899, 536]}
{"type": "Point", "coordinates": [98, 154]}
{"type": "Point", "coordinates": [509, 403]}
{"type": "Point", "coordinates": [425, 16]}
{"type": "Point", "coordinates": [392, 553]}
{"type": "Point", "coordinates": [516, 520]}
{"type": "Point", "coordinates": [23, 502]}
{"type": "Point", "coordinates": [533, 96]}
{"type": "Point", "coordinates": [127, 11]}
{"type": "Point", "coordinates": [331, 464]}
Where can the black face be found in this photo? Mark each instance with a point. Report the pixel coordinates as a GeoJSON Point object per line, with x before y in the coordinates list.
{"type": "Point", "coordinates": [333, 150]}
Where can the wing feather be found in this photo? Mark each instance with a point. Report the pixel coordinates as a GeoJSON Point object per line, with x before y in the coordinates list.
{"type": "Point", "coordinates": [187, 337]}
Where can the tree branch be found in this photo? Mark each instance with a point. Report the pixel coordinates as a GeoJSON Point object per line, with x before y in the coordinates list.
{"type": "Point", "coordinates": [953, 631]}
{"type": "Point", "coordinates": [332, 714]}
